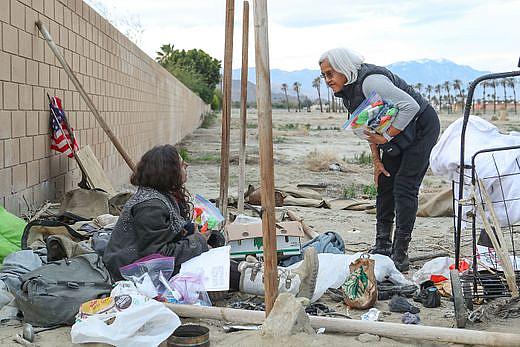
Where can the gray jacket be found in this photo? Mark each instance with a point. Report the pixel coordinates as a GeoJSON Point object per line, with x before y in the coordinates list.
{"type": "Point", "coordinates": [150, 223]}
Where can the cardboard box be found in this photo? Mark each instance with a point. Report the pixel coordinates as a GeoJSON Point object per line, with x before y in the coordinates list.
{"type": "Point", "coordinates": [247, 239]}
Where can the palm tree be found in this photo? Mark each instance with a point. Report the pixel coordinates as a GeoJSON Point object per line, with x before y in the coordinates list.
{"type": "Point", "coordinates": [328, 99]}
{"type": "Point", "coordinates": [446, 86]}
{"type": "Point", "coordinates": [494, 85]}
{"type": "Point", "coordinates": [297, 86]}
{"type": "Point", "coordinates": [418, 86]}
{"type": "Point", "coordinates": [511, 83]}
{"type": "Point", "coordinates": [165, 53]}
{"type": "Point", "coordinates": [438, 90]}
{"type": "Point", "coordinates": [484, 85]}
{"type": "Point", "coordinates": [316, 83]}
{"type": "Point", "coordinates": [504, 84]}
{"type": "Point", "coordinates": [457, 85]}
{"type": "Point", "coordinates": [429, 90]}
{"type": "Point", "coordinates": [284, 89]}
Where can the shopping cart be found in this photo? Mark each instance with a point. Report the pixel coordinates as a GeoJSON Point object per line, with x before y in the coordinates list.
{"type": "Point", "coordinates": [476, 223]}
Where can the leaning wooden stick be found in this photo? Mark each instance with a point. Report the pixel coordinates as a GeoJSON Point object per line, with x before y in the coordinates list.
{"type": "Point", "coordinates": [306, 229]}
{"type": "Point", "coordinates": [496, 237]}
{"type": "Point", "coordinates": [84, 95]}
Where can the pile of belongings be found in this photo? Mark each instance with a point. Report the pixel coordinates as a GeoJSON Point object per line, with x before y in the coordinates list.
{"type": "Point", "coordinates": [60, 262]}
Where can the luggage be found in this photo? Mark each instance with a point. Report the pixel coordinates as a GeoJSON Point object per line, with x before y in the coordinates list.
{"type": "Point", "coordinates": [36, 233]}
{"type": "Point", "coordinates": [52, 294]}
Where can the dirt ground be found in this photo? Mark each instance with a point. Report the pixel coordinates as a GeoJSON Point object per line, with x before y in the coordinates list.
{"type": "Point", "coordinates": [297, 138]}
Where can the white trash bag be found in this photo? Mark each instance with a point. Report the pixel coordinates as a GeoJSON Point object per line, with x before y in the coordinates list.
{"type": "Point", "coordinates": [124, 320]}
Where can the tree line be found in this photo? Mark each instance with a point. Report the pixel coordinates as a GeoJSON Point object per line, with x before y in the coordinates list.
{"type": "Point", "coordinates": [451, 95]}
{"type": "Point", "coordinates": [194, 68]}
{"type": "Point", "coordinates": [201, 73]}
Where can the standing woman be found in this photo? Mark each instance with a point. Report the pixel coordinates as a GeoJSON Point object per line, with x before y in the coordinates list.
{"type": "Point", "coordinates": [400, 156]}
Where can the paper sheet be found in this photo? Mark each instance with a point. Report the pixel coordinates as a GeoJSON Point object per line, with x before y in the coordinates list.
{"type": "Point", "coordinates": [214, 265]}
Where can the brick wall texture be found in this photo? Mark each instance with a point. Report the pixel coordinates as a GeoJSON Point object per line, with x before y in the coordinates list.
{"type": "Point", "coordinates": [142, 103]}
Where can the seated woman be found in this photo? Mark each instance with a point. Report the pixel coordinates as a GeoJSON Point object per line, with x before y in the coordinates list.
{"type": "Point", "coordinates": [157, 220]}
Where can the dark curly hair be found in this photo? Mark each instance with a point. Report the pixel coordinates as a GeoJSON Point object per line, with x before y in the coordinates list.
{"type": "Point", "coordinates": [160, 169]}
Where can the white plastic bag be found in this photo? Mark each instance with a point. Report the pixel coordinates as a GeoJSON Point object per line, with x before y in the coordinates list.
{"type": "Point", "coordinates": [439, 266]}
{"type": "Point", "coordinates": [145, 323]}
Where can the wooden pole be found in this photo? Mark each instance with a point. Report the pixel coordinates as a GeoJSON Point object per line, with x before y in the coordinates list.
{"type": "Point", "coordinates": [84, 95]}
{"type": "Point", "coordinates": [226, 108]}
{"type": "Point", "coordinates": [265, 131]}
{"type": "Point", "coordinates": [243, 109]}
{"type": "Point", "coordinates": [352, 326]}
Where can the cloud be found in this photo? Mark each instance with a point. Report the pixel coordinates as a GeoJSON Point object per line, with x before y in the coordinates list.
{"type": "Point", "coordinates": [481, 33]}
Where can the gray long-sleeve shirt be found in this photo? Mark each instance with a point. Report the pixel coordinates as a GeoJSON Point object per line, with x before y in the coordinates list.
{"type": "Point", "coordinates": [407, 105]}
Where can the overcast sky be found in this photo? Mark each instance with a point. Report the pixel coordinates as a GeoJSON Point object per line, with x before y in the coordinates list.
{"type": "Point", "coordinates": [484, 34]}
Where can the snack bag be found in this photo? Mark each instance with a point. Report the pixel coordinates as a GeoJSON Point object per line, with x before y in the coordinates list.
{"type": "Point", "coordinates": [360, 288]}
{"type": "Point", "coordinates": [373, 114]}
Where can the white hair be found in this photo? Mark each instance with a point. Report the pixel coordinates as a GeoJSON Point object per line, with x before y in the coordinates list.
{"type": "Point", "coordinates": [345, 61]}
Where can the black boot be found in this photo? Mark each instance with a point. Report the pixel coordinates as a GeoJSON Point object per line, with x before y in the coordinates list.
{"type": "Point", "coordinates": [400, 252]}
{"type": "Point", "coordinates": [383, 240]}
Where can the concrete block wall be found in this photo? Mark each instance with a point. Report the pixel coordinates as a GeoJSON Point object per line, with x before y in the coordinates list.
{"type": "Point", "coordinates": [142, 102]}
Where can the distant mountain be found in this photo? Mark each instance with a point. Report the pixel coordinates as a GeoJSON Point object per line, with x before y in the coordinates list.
{"type": "Point", "coordinates": [251, 93]}
{"type": "Point", "coordinates": [278, 77]}
{"type": "Point", "coordinates": [428, 71]}
{"type": "Point", "coordinates": [425, 71]}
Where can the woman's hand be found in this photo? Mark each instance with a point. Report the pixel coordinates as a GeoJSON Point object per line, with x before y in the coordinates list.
{"type": "Point", "coordinates": [374, 137]}
{"type": "Point", "coordinates": [379, 169]}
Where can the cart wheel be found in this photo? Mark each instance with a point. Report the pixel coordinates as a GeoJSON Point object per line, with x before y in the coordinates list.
{"type": "Point", "coordinates": [461, 314]}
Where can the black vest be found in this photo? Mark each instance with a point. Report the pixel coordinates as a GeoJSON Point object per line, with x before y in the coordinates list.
{"type": "Point", "coordinates": [352, 94]}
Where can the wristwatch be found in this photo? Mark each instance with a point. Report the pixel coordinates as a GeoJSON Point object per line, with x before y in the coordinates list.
{"type": "Point", "coordinates": [387, 136]}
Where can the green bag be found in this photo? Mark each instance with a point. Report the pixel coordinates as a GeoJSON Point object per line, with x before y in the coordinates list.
{"type": "Point", "coordinates": [11, 230]}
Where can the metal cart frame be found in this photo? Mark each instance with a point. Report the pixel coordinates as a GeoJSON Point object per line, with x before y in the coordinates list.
{"type": "Point", "coordinates": [467, 287]}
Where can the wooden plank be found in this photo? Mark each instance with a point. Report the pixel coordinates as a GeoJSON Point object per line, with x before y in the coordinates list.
{"type": "Point", "coordinates": [353, 326]}
{"type": "Point", "coordinates": [93, 171]}
{"type": "Point", "coordinates": [265, 132]}
{"type": "Point", "coordinates": [497, 239]}
{"type": "Point", "coordinates": [243, 109]}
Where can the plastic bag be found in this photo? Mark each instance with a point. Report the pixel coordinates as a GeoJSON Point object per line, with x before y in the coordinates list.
{"type": "Point", "coordinates": [360, 288]}
{"type": "Point", "coordinates": [11, 230]}
{"type": "Point", "coordinates": [206, 215]}
{"type": "Point", "coordinates": [191, 289]}
{"type": "Point", "coordinates": [336, 271]}
{"type": "Point", "coordinates": [438, 270]}
{"type": "Point", "coordinates": [149, 274]}
{"type": "Point", "coordinates": [126, 320]}
{"type": "Point", "coordinates": [373, 114]}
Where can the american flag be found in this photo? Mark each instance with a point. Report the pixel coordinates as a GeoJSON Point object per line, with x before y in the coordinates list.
{"type": "Point", "coordinates": [60, 133]}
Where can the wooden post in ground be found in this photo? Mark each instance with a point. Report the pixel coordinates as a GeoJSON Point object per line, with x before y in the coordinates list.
{"type": "Point", "coordinates": [265, 131]}
{"type": "Point", "coordinates": [243, 109]}
{"type": "Point", "coordinates": [226, 108]}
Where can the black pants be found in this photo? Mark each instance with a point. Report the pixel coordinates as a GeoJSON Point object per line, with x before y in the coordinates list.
{"type": "Point", "coordinates": [397, 195]}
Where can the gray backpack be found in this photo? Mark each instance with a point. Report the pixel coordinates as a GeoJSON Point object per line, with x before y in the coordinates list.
{"type": "Point", "coordinates": [52, 294]}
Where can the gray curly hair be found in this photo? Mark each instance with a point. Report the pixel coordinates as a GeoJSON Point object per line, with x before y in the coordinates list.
{"type": "Point", "coordinates": [345, 61]}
